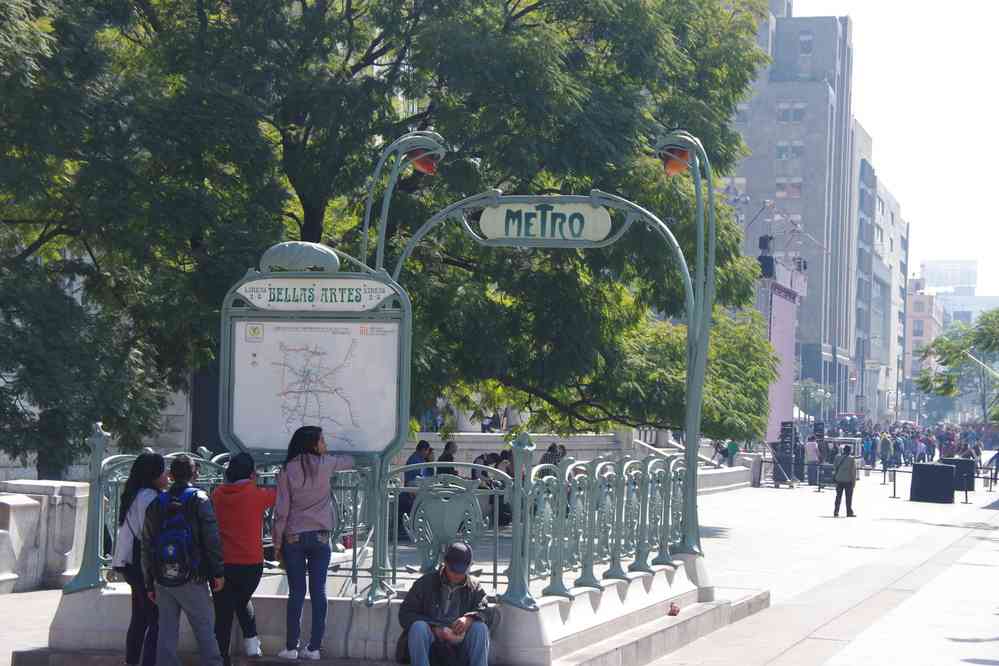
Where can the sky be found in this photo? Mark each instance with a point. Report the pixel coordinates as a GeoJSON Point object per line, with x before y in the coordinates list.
{"type": "Point", "coordinates": [925, 87]}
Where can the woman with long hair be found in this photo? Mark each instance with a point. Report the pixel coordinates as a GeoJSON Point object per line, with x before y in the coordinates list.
{"type": "Point", "coordinates": [146, 480]}
{"type": "Point", "coordinates": [304, 517]}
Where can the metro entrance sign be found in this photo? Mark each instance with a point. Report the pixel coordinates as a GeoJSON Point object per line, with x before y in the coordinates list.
{"type": "Point", "coordinates": [551, 220]}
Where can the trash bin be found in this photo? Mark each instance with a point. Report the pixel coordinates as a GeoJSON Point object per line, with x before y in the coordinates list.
{"type": "Point", "coordinates": [964, 472]}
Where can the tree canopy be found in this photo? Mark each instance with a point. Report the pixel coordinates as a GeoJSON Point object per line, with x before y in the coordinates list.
{"type": "Point", "coordinates": [167, 143]}
{"type": "Point", "coordinates": [959, 362]}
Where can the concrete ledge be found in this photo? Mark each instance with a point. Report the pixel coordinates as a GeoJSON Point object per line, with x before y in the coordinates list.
{"type": "Point", "coordinates": [92, 622]}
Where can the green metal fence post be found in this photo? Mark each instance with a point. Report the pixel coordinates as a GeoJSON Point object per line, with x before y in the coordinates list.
{"type": "Point", "coordinates": [643, 546]}
{"type": "Point", "coordinates": [89, 576]}
{"type": "Point", "coordinates": [518, 591]}
{"type": "Point", "coordinates": [616, 571]}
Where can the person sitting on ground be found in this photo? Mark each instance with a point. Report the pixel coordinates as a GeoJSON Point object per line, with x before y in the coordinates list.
{"type": "Point", "coordinates": [551, 455]}
{"type": "Point", "coordinates": [445, 615]}
{"type": "Point", "coordinates": [418, 457]}
{"type": "Point", "coordinates": [448, 456]}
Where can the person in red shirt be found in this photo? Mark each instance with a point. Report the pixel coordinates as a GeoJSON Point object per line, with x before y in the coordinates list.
{"type": "Point", "coordinates": [239, 506]}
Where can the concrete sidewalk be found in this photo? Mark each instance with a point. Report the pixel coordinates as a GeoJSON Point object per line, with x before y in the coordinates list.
{"type": "Point", "coordinates": [26, 617]}
{"type": "Point", "coordinates": [895, 584]}
{"type": "Point", "coordinates": [902, 580]}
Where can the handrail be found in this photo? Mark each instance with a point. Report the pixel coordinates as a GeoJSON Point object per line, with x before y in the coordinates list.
{"type": "Point", "coordinates": [700, 457]}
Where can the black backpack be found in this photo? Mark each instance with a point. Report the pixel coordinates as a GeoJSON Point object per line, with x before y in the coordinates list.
{"type": "Point", "coordinates": [175, 551]}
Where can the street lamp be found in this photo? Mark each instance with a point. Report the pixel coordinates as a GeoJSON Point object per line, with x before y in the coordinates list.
{"type": "Point", "coordinates": [425, 150]}
{"type": "Point", "coordinates": [682, 152]}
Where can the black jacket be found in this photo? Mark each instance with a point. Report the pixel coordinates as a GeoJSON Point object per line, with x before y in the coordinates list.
{"type": "Point", "coordinates": [423, 602]}
{"type": "Point", "coordinates": [206, 536]}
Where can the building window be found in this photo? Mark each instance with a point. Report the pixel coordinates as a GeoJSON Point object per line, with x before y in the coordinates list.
{"type": "Point", "coordinates": [918, 306]}
{"type": "Point", "coordinates": [791, 112]}
{"type": "Point", "coordinates": [806, 43]}
{"type": "Point", "coordinates": [742, 113]}
{"type": "Point", "coordinates": [734, 188]}
{"type": "Point", "coordinates": [917, 328]}
{"type": "Point", "coordinates": [789, 188]}
{"type": "Point", "coordinates": [790, 151]}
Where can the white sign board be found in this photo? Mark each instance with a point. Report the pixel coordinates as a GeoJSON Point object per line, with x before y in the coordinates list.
{"type": "Point", "coordinates": [340, 376]}
{"type": "Point", "coordinates": [546, 222]}
{"type": "Point", "coordinates": [340, 295]}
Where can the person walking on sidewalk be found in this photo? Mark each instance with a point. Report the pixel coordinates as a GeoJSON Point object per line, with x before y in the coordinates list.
{"type": "Point", "coordinates": [304, 518]}
{"type": "Point", "coordinates": [181, 552]}
{"type": "Point", "coordinates": [240, 507]}
{"type": "Point", "coordinates": [845, 476]}
{"type": "Point", "coordinates": [146, 480]}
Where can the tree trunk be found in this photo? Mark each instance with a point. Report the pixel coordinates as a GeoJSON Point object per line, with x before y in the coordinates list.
{"type": "Point", "coordinates": [312, 221]}
{"type": "Point", "coordinates": [49, 464]}
{"type": "Point", "coordinates": [52, 459]}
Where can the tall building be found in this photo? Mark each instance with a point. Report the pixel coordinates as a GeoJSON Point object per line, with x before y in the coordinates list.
{"type": "Point", "coordinates": [798, 126]}
{"type": "Point", "coordinates": [882, 259]}
{"type": "Point", "coordinates": [955, 283]}
{"type": "Point", "coordinates": [924, 323]}
{"type": "Point", "coordinates": [957, 277]}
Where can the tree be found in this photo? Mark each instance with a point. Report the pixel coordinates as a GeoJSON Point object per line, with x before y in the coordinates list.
{"type": "Point", "coordinates": [958, 364]}
{"type": "Point", "coordinates": [24, 38]}
{"type": "Point", "coordinates": [64, 366]}
{"type": "Point", "coordinates": [199, 131]}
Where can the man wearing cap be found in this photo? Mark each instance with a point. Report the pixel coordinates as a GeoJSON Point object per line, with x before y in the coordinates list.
{"type": "Point", "coordinates": [445, 613]}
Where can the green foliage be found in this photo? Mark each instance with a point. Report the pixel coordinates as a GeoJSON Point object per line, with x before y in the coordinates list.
{"type": "Point", "coordinates": [169, 142]}
{"type": "Point", "coordinates": [64, 366]}
{"type": "Point", "coordinates": [24, 39]}
{"type": "Point", "coordinates": [955, 360]}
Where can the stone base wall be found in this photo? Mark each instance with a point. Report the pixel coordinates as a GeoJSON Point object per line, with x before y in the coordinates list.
{"type": "Point", "coordinates": [42, 533]}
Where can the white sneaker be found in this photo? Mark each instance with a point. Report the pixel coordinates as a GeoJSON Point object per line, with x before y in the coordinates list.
{"type": "Point", "coordinates": [288, 654]}
{"type": "Point", "coordinates": [306, 653]}
{"type": "Point", "coordinates": [252, 647]}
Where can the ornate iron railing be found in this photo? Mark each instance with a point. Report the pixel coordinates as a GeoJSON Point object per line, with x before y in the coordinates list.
{"type": "Point", "coordinates": [566, 525]}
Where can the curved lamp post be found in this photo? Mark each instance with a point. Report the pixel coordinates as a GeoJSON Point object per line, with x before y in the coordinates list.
{"type": "Point", "coordinates": [425, 150]}
{"type": "Point", "coordinates": [681, 152]}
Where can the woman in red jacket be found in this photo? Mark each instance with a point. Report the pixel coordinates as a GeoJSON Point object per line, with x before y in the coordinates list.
{"type": "Point", "coordinates": [239, 506]}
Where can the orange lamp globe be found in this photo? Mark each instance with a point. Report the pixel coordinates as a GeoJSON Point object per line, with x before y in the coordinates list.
{"type": "Point", "coordinates": [423, 161]}
{"type": "Point", "coordinates": [675, 161]}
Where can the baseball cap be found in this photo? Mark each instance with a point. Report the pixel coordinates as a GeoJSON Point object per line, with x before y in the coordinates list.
{"type": "Point", "coordinates": [458, 557]}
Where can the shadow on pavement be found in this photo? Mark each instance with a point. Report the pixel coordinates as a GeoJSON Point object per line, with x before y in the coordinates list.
{"type": "Point", "coordinates": [974, 640]}
{"type": "Point", "coordinates": [981, 662]}
{"type": "Point", "coordinates": [961, 526]}
{"type": "Point", "coordinates": [711, 532]}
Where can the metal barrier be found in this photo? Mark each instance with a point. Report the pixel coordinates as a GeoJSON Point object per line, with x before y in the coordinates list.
{"type": "Point", "coordinates": [553, 523]}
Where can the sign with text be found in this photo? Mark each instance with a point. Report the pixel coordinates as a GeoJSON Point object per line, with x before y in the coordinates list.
{"type": "Point", "coordinates": [334, 294]}
{"type": "Point", "coordinates": [546, 221]}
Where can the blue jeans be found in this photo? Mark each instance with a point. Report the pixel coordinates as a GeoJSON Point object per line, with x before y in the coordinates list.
{"type": "Point", "coordinates": [475, 647]}
{"type": "Point", "coordinates": [310, 554]}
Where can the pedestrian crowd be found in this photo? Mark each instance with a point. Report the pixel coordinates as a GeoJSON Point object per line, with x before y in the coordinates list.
{"type": "Point", "coordinates": [183, 552]}
{"type": "Point", "coordinates": [904, 444]}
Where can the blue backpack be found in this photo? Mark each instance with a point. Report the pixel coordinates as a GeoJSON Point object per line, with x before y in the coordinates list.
{"type": "Point", "coordinates": [176, 554]}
